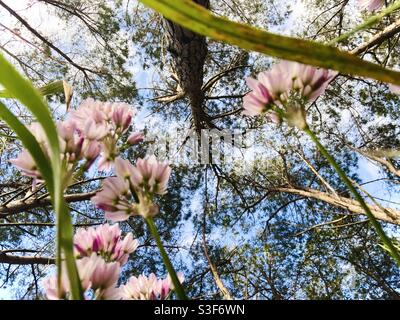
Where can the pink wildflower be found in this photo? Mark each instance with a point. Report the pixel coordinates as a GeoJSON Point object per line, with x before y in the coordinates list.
{"type": "Point", "coordinates": [370, 5]}
{"type": "Point", "coordinates": [130, 192]}
{"type": "Point", "coordinates": [99, 273]}
{"type": "Point", "coordinates": [394, 89]}
{"type": "Point", "coordinates": [26, 164]}
{"type": "Point", "coordinates": [151, 174]}
{"type": "Point", "coordinates": [135, 138]}
{"type": "Point", "coordinates": [70, 141]}
{"type": "Point", "coordinates": [114, 199]}
{"type": "Point", "coordinates": [287, 86]}
{"type": "Point", "coordinates": [94, 273]}
{"type": "Point", "coordinates": [147, 288]}
{"type": "Point", "coordinates": [51, 289]}
{"type": "Point", "coordinates": [106, 241]}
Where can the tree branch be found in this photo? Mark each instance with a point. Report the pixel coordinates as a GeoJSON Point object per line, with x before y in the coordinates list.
{"type": "Point", "coordinates": [378, 38]}
{"type": "Point", "coordinates": [44, 40]}
{"type": "Point", "coordinates": [385, 214]}
{"type": "Point", "coordinates": [22, 260]}
{"type": "Point", "coordinates": [19, 205]}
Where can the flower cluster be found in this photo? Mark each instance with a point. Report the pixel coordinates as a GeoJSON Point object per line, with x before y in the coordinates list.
{"type": "Point", "coordinates": [394, 89]}
{"type": "Point", "coordinates": [95, 274]}
{"type": "Point", "coordinates": [101, 252]}
{"type": "Point", "coordinates": [92, 130]}
{"type": "Point", "coordinates": [106, 241]}
{"type": "Point", "coordinates": [70, 148]}
{"type": "Point", "coordinates": [284, 90]}
{"type": "Point", "coordinates": [131, 191]}
{"type": "Point", "coordinates": [147, 288]}
{"type": "Point", "coordinates": [370, 5]}
{"type": "Point", "coordinates": [102, 124]}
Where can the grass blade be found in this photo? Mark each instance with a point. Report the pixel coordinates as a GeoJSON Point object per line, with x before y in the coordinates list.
{"type": "Point", "coordinates": [198, 19]}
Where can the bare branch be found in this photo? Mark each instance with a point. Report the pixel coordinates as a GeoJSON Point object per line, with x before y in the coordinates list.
{"type": "Point", "coordinates": [385, 214]}
{"type": "Point", "coordinates": [19, 205]}
{"type": "Point", "coordinates": [22, 260]}
{"type": "Point", "coordinates": [44, 40]}
{"type": "Point", "coordinates": [378, 38]}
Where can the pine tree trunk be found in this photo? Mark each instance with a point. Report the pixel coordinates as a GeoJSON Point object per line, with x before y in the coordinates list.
{"type": "Point", "coordinates": [189, 51]}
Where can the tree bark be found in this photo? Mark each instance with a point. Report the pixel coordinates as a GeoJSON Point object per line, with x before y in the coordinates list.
{"type": "Point", "coordinates": [189, 51]}
{"type": "Point", "coordinates": [378, 38]}
{"type": "Point", "coordinates": [22, 260]}
{"type": "Point", "coordinates": [384, 214]}
{"type": "Point", "coordinates": [19, 205]}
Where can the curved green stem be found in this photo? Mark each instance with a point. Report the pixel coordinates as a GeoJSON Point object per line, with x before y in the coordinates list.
{"type": "Point", "coordinates": [385, 239]}
{"type": "Point", "coordinates": [50, 169]}
{"type": "Point", "coordinates": [177, 284]}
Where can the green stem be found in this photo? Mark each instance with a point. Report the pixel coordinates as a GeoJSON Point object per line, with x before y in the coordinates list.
{"type": "Point", "coordinates": [65, 245]}
{"type": "Point", "coordinates": [385, 239]}
{"type": "Point", "coordinates": [177, 284]}
{"type": "Point", "coordinates": [58, 254]}
{"type": "Point", "coordinates": [367, 23]}
{"type": "Point", "coordinates": [64, 234]}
